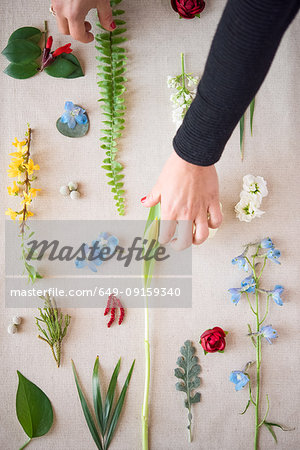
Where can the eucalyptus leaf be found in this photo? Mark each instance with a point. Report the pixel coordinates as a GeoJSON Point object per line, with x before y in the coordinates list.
{"type": "Point", "coordinates": [33, 407]}
{"type": "Point", "coordinates": [20, 51]}
{"type": "Point", "coordinates": [29, 33]}
{"type": "Point", "coordinates": [21, 71]}
{"type": "Point", "coordinates": [78, 131]}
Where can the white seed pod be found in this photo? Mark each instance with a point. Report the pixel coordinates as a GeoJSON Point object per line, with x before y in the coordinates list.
{"type": "Point", "coordinates": [17, 320]}
{"type": "Point", "coordinates": [72, 186]}
{"type": "Point", "coordinates": [75, 195]}
{"type": "Point", "coordinates": [12, 328]}
{"type": "Point", "coordinates": [64, 190]}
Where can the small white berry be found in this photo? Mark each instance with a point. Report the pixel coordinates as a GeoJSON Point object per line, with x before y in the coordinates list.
{"type": "Point", "coordinates": [17, 320]}
{"type": "Point", "coordinates": [64, 190]}
{"type": "Point", "coordinates": [11, 329]}
{"type": "Point", "coordinates": [72, 186]}
{"type": "Point", "coordinates": [75, 195]}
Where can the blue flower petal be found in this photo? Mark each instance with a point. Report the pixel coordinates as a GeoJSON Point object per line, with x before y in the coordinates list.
{"type": "Point", "coordinates": [267, 243]}
{"type": "Point", "coordinates": [69, 106]}
{"type": "Point", "coordinates": [81, 119]}
{"type": "Point", "coordinates": [80, 264]}
{"type": "Point", "coordinates": [92, 266]}
{"type": "Point", "coordinates": [65, 117]}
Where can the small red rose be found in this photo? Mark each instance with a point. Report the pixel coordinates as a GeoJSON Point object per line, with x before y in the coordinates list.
{"type": "Point", "coordinates": [213, 340]}
{"type": "Point", "coordinates": [188, 9]}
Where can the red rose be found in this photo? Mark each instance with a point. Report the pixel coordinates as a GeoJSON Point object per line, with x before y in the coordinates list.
{"type": "Point", "coordinates": [213, 340]}
{"type": "Point", "coordinates": [188, 9]}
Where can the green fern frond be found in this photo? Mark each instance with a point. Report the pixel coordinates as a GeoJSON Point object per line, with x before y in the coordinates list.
{"type": "Point", "coordinates": [111, 71]}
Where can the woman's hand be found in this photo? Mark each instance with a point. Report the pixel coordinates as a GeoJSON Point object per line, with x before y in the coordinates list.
{"type": "Point", "coordinates": [189, 194]}
{"type": "Point", "coordinates": [70, 17]}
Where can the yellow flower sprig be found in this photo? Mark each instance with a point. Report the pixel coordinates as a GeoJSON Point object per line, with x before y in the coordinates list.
{"type": "Point", "coordinates": [22, 167]}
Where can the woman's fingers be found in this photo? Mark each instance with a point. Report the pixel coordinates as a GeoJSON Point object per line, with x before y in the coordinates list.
{"type": "Point", "coordinates": [62, 24]}
{"type": "Point", "coordinates": [105, 15]}
{"type": "Point", "coordinates": [166, 231]}
{"type": "Point", "coordinates": [78, 31]}
{"type": "Point", "coordinates": [215, 215]}
{"type": "Point", "coordinates": [201, 229]}
{"type": "Point", "coordinates": [185, 235]}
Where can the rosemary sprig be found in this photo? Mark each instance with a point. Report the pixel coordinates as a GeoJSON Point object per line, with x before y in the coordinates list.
{"type": "Point", "coordinates": [56, 326]}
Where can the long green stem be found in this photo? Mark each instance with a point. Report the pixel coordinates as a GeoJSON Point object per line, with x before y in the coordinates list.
{"type": "Point", "coordinates": [26, 443]}
{"type": "Point", "coordinates": [145, 408]}
{"type": "Point", "coordinates": [182, 71]}
{"type": "Point", "coordinates": [258, 363]}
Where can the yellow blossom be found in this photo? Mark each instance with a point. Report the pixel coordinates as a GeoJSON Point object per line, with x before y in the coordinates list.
{"type": "Point", "coordinates": [14, 172]}
{"type": "Point", "coordinates": [11, 213]}
{"type": "Point", "coordinates": [18, 144]}
{"type": "Point", "coordinates": [31, 166]}
{"type": "Point", "coordinates": [27, 198]}
{"type": "Point", "coordinates": [28, 214]}
{"type": "Point", "coordinates": [13, 190]}
{"type": "Point", "coordinates": [33, 192]}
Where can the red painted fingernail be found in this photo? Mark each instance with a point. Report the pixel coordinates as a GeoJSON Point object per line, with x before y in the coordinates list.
{"type": "Point", "coordinates": [113, 25]}
{"type": "Point", "coordinates": [143, 199]}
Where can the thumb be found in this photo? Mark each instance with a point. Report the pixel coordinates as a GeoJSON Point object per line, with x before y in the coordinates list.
{"type": "Point", "coordinates": [105, 15]}
{"type": "Point", "coordinates": [151, 199]}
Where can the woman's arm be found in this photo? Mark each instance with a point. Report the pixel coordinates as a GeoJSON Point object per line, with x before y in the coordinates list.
{"type": "Point", "coordinates": [241, 54]}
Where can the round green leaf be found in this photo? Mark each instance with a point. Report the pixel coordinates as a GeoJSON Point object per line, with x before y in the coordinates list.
{"type": "Point", "coordinates": [61, 68]}
{"type": "Point", "coordinates": [20, 51]}
{"type": "Point", "coordinates": [21, 71]}
{"type": "Point", "coordinates": [34, 410]}
{"type": "Point", "coordinates": [78, 72]}
{"type": "Point", "coordinates": [78, 131]}
{"type": "Point", "coordinates": [29, 33]}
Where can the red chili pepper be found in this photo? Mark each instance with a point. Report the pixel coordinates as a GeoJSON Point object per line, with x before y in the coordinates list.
{"type": "Point", "coordinates": [64, 49]}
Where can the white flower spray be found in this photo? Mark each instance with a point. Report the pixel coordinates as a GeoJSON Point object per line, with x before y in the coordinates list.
{"type": "Point", "coordinates": [254, 189]}
{"type": "Point", "coordinates": [185, 85]}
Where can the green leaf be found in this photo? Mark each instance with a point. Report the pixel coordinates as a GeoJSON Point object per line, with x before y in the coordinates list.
{"type": "Point", "coordinates": [34, 410]}
{"type": "Point", "coordinates": [269, 427]}
{"type": "Point", "coordinates": [118, 12]}
{"type": "Point", "coordinates": [189, 369]}
{"type": "Point", "coordinates": [29, 33]}
{"type": "Point", "coordinates": [242, 124]}
{"type": "Point", "coordinates": [247, 406]}
{"type": "Point", "coordinates": [118, 31]}
{"type": "Point", "coordinates": [115, 2]}
{"type": "Point", "coordinates": [252, 105]}
{"type": "Point", "coordinates": [110, 395]}
{"type": "Point", "coordinates": [118, 408]}
{"type": "Point", "coordinates": [20, 51]}
{"type": "Point", "coordinates": [118, 22]}
{"type": "Point", "coordinates": [21, 71]}
{"type": "Point", "coordinates": [97, 395]}
{"type": "Point", "coordinates": [78, 131]}
{"type": "Point", "coordinates": [118, 40]}
{"type": "Point", "coordinates": [78, 72]}
{"type": "Point", "coordinates": [61, 68]}
{"type": "Point", "coordinates": [87, 414]}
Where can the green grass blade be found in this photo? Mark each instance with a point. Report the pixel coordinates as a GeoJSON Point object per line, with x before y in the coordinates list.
{"type": "Point", "coordinates": [118, 409]}
{"type": "Point", "coordinates": [87, 414]}
{"type": "Point", "coordinates": [110, 395]}
{"type": "Point", "coordinates": [242, 125]}
{"type": "Point", "coordinates": [252, 105]}
{"type": "Point", "coordinates": [97, 395]}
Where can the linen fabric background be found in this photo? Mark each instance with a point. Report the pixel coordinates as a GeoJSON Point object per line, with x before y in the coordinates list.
{"type": "Point", "coordinates": [155, 39]}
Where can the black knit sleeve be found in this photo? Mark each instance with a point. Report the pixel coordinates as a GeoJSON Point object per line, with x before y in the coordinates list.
{"type": "Point", "coordinates": [241, 54]}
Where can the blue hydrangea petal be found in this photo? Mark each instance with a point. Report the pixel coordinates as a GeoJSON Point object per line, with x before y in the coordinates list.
{"type": "Point", "coordinates": [80, 264]}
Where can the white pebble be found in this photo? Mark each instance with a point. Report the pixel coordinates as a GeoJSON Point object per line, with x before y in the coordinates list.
{"type": "Point", "coordinates": [72, 186]}
{"type": "Point", "coordinates": [17, 320]}
{"type": "Point", "coordinates": [64, 190]}
{"type": "Point", "coordinates": [12, 328]}
{"type": "Point", "coordinates": [75, 195]}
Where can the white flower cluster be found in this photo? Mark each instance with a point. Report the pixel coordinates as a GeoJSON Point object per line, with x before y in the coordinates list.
{"type": "Point", "coordinates": [184, 96]}
{"type": "Point", "coordinates": [254, 189]}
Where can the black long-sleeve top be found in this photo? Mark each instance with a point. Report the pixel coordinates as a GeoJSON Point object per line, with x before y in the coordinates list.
{"type": "Point", "coordinates": [241, 54]}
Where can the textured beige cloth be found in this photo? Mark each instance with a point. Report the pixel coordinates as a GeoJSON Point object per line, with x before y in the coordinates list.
{"type": "Point", "coordinates": [155, 39]}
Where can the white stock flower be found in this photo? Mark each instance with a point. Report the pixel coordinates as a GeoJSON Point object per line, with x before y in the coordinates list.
{"type": "Point", "coordinates": [171, 81]}
{"type": "Point", "coordinates": [255, 186]}
{"type": "Point", "coordinates": [248, 207]}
